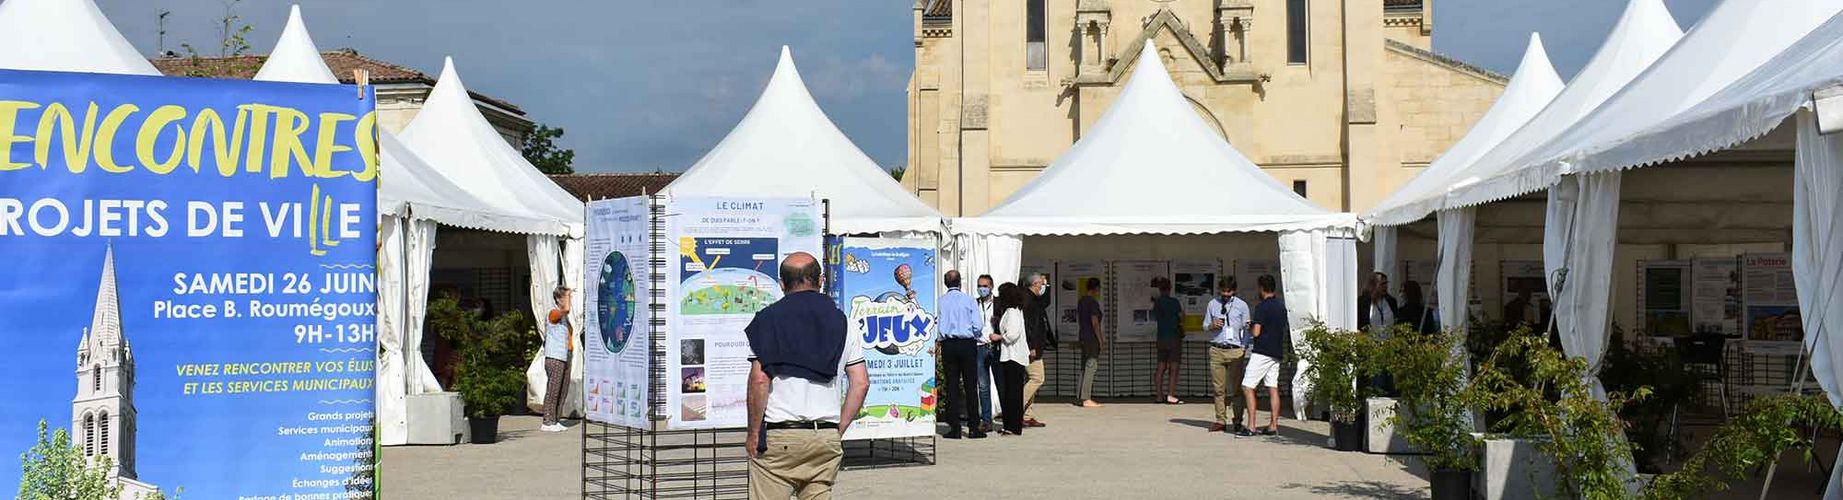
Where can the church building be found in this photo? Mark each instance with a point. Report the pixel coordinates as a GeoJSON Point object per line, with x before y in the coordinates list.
{"type": "Point", "coordinates": [102, 417]}
{"type": "Point", "coordinates": [1340, 99]}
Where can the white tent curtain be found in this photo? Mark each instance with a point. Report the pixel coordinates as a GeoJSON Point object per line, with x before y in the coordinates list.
{"type": "Point", "coordinates": [392, 416]}
{"type": "Point", "coordinates": [541, 250]}
{"type": "Point", "coordinates": [1303, 270]}
{"type": "Point", "coordinates": [1386, 262]}
{"type": "Point", "coordinates": [1817, 259]}
{"type": "Point", "coordinates": [418, 255]}
{"type": "Point", "coordinates": [1341, 283]}
{"type": "Point", "coordinates": [1455, 271]}
{"type": "Point", "coordinates": [574, 278]}
{"type": "Point", "coordinates": [999, 255]}
{"type": "Point", "coordinates": [1577, 257]}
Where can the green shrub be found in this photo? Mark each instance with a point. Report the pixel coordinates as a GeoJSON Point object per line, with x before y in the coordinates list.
{"type": "Point", "coordinates": [1583, 434]}
{"type": "Point", "coordinates": [1431, 379]}
{"type": "Point", "coordinates": [490, 375]}
{"type": "Point", "coordinates": [1339, 360]}
{"type": "Point", "coordinates": [1765, 429]}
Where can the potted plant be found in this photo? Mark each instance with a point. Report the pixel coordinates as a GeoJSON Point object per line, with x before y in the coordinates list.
{"type": "Point", "coordinates": [1673, 388]}
{"type": "Point", "coordinates": [1579, 432]}
{"type": "Point", "coordinates": [1432, 382]}
{"type": "Point", "coordinates": [489, 374]}
{"type": "Point", "coordinates": [1336, 366]}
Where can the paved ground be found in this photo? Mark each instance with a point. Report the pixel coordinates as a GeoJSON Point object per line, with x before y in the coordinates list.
{"type": "Point", "coordinates": [1120, 451]}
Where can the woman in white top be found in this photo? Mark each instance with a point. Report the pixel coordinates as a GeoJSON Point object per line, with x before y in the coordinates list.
{"type": "Point", "coordinates": [1013, 356]}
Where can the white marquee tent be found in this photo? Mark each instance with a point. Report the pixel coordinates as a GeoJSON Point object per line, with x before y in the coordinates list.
{"type": "Point", "coordinates": [1151, 166]}
{"type": "Point", "coordinates": [65, 35]}
{"type": "Point", "coordinates": [785, 146]}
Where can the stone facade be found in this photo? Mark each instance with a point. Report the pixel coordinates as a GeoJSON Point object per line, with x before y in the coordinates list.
{"type": "Point", "coordinates": [986, 115]}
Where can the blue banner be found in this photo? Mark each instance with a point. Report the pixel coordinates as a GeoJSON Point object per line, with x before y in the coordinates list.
{"type": "Point", "coordinates": [188, 292]}
{"type": "Point", "coordinates": [886, 288]}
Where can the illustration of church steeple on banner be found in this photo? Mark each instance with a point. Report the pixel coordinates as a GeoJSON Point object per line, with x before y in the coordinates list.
{"type": "Point", "coordinates": [102, 416]}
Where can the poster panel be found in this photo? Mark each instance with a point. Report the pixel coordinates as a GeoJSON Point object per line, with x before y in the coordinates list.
{"type": "Point", "coordinates": [1247, 274]}
{"type": "Point", "coordinates": [1074, 280]}
{"type": "Point", "coordinates": [618, 361]}
{"type": "Point", "coordinates": [1770, 296]}
{"type": "Point", "coordinates": [893, 314]}
{"type": "Point", "coordinates": [1134, 296]}
{"type": "Point", "coordinates": [1525, 293]}
{"type": "Point", "coordinates": [1717, 296]}
{"type": "Point", "coordinates": [724, 268]}
{"type": "Point", "coordinates": [1663, 297]}
{"type": "Point", "coordinates": [1193, 282]}
{"type": "Point", "coordinates": [193, 308]}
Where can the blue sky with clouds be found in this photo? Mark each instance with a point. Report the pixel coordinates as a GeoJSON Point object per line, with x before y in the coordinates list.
{"type": "Point", "coordinates": [651, 84]}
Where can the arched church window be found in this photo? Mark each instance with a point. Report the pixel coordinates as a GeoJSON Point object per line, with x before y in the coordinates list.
{"type": "Point", "coordinates": [89, 435]}
{"type": "Point", "coordinates": [103, 447]}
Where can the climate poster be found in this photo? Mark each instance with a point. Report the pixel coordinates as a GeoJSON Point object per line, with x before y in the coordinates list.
{"type": "Point", "coordinates": [887, 294]}
{"type": "Point", "coordinates": [725, 266]}
{"type": "Point", "coordinates": [188, 298]}
{"type": "Point", "coordinates": [619, 356]}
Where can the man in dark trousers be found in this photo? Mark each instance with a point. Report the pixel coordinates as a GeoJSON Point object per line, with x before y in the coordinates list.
{"type": "Point", "coordinates": [960, 328]}
{"type": "Point", "coordinates": [807, 381]}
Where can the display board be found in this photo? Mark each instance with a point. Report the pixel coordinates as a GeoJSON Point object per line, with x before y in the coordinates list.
{"type": "Point", "coordinates": [893, 313]}
{"type": "Point", "coordinates": [1133, 306]}
{"type": "Point", "coordinates": [193, 308]}
{"type": "Point", "coordinates": [723, 267]}
{"type": "Point", "coordinates": [1664, 297]}
{"type": "Point", "coordinates": [1526, 293]}
{"type": "Point", "coordinates": [1247, 272]}
{"type": "Point", "coordinates": [1072, 283]}
{"type": "Point", "coordinates": [618, 362]}
{"type": "Point", "coordinates": [1770, 297]}
{"type": "Point", "coordinates": [1193, 282]}
{"type": "Point", "coordinates": [1716, 298]}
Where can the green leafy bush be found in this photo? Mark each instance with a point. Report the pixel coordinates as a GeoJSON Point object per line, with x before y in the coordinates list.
{"type": "Point", "coordinates": [1765, 429]}
{"type": "Point", "coordinates": [1339, 359]}
{"type": "Point", "coordinates": [1432, 382]}
{"type": "Point", "coordinates": [490, 375]}
{"type": "Point", "coordinates": [1626, 370]}
{"type": "Point", "coordinates": [1582, 434]}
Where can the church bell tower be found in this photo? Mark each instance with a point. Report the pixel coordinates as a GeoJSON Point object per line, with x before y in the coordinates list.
{"type": "Point", "coordinates": [102, 418]}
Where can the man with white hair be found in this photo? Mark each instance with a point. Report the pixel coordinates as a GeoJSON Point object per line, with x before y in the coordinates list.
{"type": "Point", "coordinates": [1041, 337]}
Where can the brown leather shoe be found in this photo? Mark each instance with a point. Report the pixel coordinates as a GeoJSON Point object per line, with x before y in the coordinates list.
{"type": "Point", "coordinates": [1033, 423]}
{"type": "Point", "coordinates": [1217, 427]}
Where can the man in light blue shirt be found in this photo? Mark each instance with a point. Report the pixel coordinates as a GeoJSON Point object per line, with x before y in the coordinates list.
{"type": "Point", "coordinates": [1226, 320]}
{"type": "Point", "coordinates": [959, 321]}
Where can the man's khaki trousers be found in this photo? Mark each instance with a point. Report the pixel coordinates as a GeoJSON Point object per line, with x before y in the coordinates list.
{"type": "Point", "coordinates": [1225, 372]}
{"type": "Point", "coordinates": [799, 463]}
{"type": "Point", "coordinates": [1032, 382]}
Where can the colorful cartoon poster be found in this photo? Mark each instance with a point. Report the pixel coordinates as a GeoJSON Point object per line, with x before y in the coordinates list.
{"type": "Point", "coordinates": [618, 363]}
{"type": "Point", "coordinates": [1193, 282]}
{"type": "Point", "coordinates": [1134, 296]}
{"type": "Point", "coordinates": [725, 267]}
{"type": "Point", "coordinates": [1717, 296]}
{"type": "Point", "coordinates": [1770, 295]}
{"type": "Point", "coordinates": [1247, 277]}
{"type": "Point", "coordinates": [1663, 297]}
{"type": "Point", "coordinates": [892, 313]}
{"type": "Point", "coordinates": [186, 307]}
{"type": "Point", "coordinates": [1075, 280]}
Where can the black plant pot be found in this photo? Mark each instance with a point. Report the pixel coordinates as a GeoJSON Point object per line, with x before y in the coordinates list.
{"type": "Point", "coordinates": [1451, 484]}
{"type": "Point", "coordinates": [483, 430]}
{"type": "Point", "coordinates": [1348, 435]}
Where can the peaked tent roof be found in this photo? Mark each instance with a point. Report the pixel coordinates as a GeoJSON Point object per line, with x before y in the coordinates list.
{"type": "Point", "coordinates": [450, 134]}
{"type": "Point", "coordinates": [1531, 89]}
{"type": "Point", "coordinates": [65, 35]}
{"type": "Point", "coordinates": [786, 146]}
{"type": "Point", "coordinates": [1118, 179]}
{"type": "Point", "coordinates": [406, 184]}
{"type": "Point", "coordinates": [1735, 38]}
{"type": "Point", "coordinates": [1748, 109]}
{"type": "Point", "coordinates": [295, 58]}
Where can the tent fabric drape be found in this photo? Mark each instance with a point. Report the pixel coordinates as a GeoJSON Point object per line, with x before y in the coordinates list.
{"type": "Point", "coordinates": [1577, 258]}
{"type": "Point", "coordinates": [1386, 262]}
{"type": "Point", "coordinates": [1303, 271]}
{"type": "Point", "coordinates": [1817, 259]}
{"type": "Point", "coordinates": [418, 256]}
{"type": "Point", "coordinates": [1455, 271]}
{"type": "Point", "coordinates": [573, 277]}
{"type": "Point", "coordinates": [392, 408]}
{"type": "Point", "coordinates": [541, 250]}
{"type": "Point", "coordinates": [998, 255]}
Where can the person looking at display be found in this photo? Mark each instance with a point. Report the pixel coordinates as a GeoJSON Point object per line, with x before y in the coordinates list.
{"type": "Point", "coordinates": [959, 326]}
{"type": "Point", "coordinates": [807, 382]}
{"type": "Point", "coordinates": [1269, 338]}
{"type": "Point", "coordinates": [558, 343]}
{"type": "Point", "coordinates": [1169, 315]}
{"type": "Point", "coordinates": [1088, 315]}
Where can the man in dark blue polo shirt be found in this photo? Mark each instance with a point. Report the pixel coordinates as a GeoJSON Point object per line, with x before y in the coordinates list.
{"type": "Point", "coordinates": [1269, 338]}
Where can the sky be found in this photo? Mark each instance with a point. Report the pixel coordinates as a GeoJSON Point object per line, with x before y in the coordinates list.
{"type": "Point", "coordinates": [643, 85]}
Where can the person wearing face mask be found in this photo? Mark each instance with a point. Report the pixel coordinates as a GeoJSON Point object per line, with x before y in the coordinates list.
{"type": "Point", "coordinates": [987, 356]}
{"type": "Point", "coordinates": [1227, 321]}
{"type": "Point", "coordinates": [1041, 338]}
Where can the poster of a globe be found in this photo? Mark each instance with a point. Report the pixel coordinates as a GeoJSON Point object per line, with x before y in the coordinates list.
{"type": "Point", "coordinates": [615, 378]}
{"type": "Point", "coordinates": [614, 302]}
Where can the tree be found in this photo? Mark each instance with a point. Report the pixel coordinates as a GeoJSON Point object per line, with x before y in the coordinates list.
{"type": "Point", "coordinates": [54, 469]}
{"type": "Point", "coordinates": [233, 41]}
{"type": "Point", "coordinates": [897, 172]}
{"type": "Point", "coordinates": [540, 148]}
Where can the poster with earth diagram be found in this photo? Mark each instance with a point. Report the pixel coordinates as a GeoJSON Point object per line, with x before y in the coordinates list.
{"type": "Point", "coordinates": [618, 361]}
